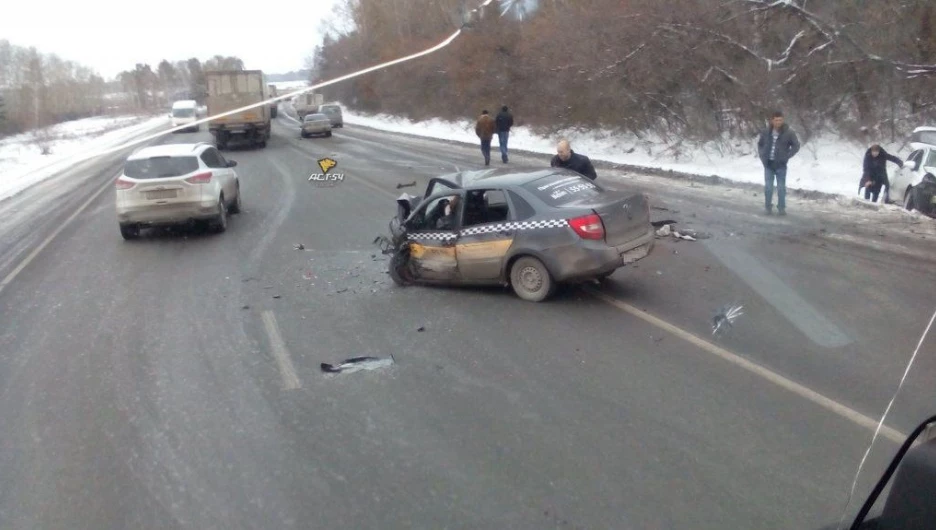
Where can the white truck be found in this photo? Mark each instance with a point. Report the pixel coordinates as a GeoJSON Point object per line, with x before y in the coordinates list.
{"type": "Point", "coordinates": [233, 89]}
{"type": "Point", "coordinates": [185, 111]}
{"type": "Point", "coordinates": [307, 103]}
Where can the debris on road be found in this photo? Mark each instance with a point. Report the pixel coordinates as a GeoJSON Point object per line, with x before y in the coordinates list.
{"type": "Point", "coordinates": [677, 235]}
{"type": "Point", "coordinates": [724, 319]}
{"type": "Point", "coordinates": [410, 185]}
{"type": "Point", "coordinates": [277, 296]}
{"type": "Point", "coordinates": [245, 307]}
{"type": "Point", "coordinates": [666, 231]}
{"type": "Point", "coordinates": [658, 224]}
{"type": "Point", "coordinates": [299, 246]}
{"type": "Point", "coordinates": [421, 329]}
{"type": "Point", "coordinates": [356, 364]}
{"type": "Point", "coordinates": [342, 290]}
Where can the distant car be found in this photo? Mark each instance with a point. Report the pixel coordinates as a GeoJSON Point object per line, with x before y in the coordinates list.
{"type": "Point", "coordinates": [185, 111]}
{"type": "Point", "coordinates": [914, 185]}
{"type": "Point", "coordinates": [333, 111]}
{"type": "Point", "coordinates": [175, 184]}
{"type": "Point", "coordinates": [315, 124]}
{"type": "Point", "coordinates": [527, 229]}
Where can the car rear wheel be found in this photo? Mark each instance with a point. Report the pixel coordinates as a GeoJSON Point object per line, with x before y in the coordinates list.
{"type": "Point", "coordinates": [220, 222]}
{"type": "Point", "coordinates": [236, 205]}
{"type": "Point", "coordinates": [328, 134]}
{"type": "Point", "coordinates": [908, 199]}
{"type": "Point", "coordinates": [531, 280]}
{"type": "Point", "coordinates": [130, 231]}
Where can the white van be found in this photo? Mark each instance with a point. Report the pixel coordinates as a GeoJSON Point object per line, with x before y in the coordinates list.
{"type": "Point", "coordinates": [183, 112]}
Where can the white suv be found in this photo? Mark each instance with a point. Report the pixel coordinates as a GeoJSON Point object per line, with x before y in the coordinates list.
{"type": "Point", "coordinates": [174, 184]}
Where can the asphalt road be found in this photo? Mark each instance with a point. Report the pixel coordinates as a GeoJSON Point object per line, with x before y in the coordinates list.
{"type": "Point", "coordinates": [175, 382]}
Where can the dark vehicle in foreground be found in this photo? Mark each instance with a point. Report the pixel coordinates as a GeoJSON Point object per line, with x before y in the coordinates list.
{"type": "Point", "coordinates": [527, 229]}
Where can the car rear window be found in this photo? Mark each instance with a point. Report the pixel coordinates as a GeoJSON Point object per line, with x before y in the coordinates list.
{"type": "Point", "coordinates": [557, 190]}
{"type": "Point", "coordinates": [160, 167]}
{"type": "Point", "coordinates": [925, 137]}
{"type": "Point", "coordinates": [183, 113]}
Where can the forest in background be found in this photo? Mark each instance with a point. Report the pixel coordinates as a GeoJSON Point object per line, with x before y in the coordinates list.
{"type": "Point", "coordinates": [693, 69]}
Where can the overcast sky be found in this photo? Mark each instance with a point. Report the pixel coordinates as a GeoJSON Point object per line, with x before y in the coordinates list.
{"type": "Point", "coordinates": [275, 37]}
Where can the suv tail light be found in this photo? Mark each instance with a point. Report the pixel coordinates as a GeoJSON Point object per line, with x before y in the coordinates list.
{"type": "Point", "coordinates": [201, 178]}
{"type": "Point", "coordinates": [123, 184]}
{"type": "Point", "coordinates": [588, 226]}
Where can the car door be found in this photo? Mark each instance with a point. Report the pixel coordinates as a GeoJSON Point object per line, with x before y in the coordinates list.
{"type": "Point", "coordinates": [486, 234]}
{"type": "Point", "coordinates": [220, 170]}
{"type": "Point", "coordinates": [903, 178]}
{"type": "Point", "coordinates": [432, 249]}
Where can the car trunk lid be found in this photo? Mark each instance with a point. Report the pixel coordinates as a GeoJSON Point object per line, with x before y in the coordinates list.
{"type": "Point", "coordinates": [625, 216]}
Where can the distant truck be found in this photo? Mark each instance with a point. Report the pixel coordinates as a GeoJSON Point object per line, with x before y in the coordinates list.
{"type": "Point", "coordinates": [307, 103]}
{"type": "Point", "coordinates": [233, 89]}
{"type": "Point", "coordinates": [275, 105]}
{"type": "Point", "coordinates": [183, 112]}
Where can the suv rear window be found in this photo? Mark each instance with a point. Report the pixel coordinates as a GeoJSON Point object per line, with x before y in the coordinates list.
{"type": "Point", "coordinates": [557, 190]}
{"type": "Point", "coordinates": [160, 167]}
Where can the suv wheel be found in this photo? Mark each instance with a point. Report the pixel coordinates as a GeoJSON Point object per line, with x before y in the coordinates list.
{"type": "Point", "coordinates": [236, 205]}
{"type": "Point", "coordinates": [130, 231]}
{"type": "Point", "coordinates": [908, 199]}
{"type": "Point", "coordinates": [220, 222]}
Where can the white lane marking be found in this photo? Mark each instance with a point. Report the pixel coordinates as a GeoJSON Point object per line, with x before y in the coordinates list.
{"type": "Point", "coordinates": [32, 255]}
{"type": "Point", "coordinates": [756, 369]}
{"type": "Point", "coordinates": [280, 353]}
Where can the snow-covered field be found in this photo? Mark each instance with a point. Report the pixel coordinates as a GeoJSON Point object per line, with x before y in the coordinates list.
{"type": "Point", "coordinates": [828, 165]}
{"type": "Point", "coordinates": [22, 163]}
{"type": "Point", "coordinates": [289, 85]}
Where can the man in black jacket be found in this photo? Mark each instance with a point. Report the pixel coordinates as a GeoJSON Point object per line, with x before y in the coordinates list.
{"type": "Point", "coordinates": [874, 175]}
{"type": "Point", "coordinates": [504, 122]}
{"type": "Point", "coordinates": [776, 146]}
{"type": "Point", "coordinates": [567, 158]}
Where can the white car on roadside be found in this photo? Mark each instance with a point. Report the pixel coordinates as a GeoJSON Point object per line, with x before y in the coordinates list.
{"type": "Point", "coordinates": [176, 184]}
{"type": "Point", "coordinates": [914, 185]}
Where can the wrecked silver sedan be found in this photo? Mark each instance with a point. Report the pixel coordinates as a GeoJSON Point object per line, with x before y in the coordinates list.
{"type": "Point", "coordinates": [527, 229]}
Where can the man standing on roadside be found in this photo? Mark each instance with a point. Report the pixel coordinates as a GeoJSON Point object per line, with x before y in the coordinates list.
{"type": "Point", "coordinates": [567, 158]}
{"type": "Point", "coordinates": [776, 146]}
{"type": "Point", "coordinates": [504, 121]}
{"type": "Point", "coordinates": [485, 131]}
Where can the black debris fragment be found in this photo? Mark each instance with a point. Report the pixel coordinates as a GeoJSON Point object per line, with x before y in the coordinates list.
{"type": "Point", "coordinates": [245, 307]}
{"type": "Point", "coordinates": [410, 185]}
{"type": "Point", "coordinates": [277, 296]}
{"type": "Point", "coordinates": [343, 289]}
{"type": "Point", "coordinates": [421, 329]}
{"type": "Point", "coordinates": [659, 224]}
{"type": "Point", "coordinates": [355, 364]}
{"type": "Point", "coordinates": [299, 246]}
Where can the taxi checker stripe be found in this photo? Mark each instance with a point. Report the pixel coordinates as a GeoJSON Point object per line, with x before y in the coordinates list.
{"type": "Point", "coordinates": [522, 225]}
{"type": "Point", "coordinates": [437, 236]}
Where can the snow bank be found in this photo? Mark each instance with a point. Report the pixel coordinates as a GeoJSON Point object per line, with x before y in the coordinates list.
{"type": "Point", "coordinates": [829, 165]}
{"type": "Point", "coordinates": [22, 164]}
{"type": "Point", "coordinates": [289, 85]}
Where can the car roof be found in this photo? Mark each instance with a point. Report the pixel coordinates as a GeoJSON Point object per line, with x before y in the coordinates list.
{"type": "Point", "coordinates": [502, 177]}
{"type": "Point", "coordinates": [925, 128]}
{"type": "Point", "coordinates": [169, 150]}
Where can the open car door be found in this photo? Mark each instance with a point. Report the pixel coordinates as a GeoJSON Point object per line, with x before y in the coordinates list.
{"type": "Point", "coordinates": [432, 232]}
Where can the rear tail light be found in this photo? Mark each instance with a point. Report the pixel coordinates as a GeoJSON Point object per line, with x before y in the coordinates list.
{"type": "Point", "coordinates": [201, 178]}
{"type": "Point", "coordinates": [588, 226]}
{"type": "Point", "coordinates": [124, 184]}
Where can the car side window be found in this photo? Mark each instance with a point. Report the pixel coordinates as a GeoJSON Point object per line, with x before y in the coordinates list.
{"type": "Point", "coordinates": [210, 158]}
{"type": "Point", "coordinates": [914, 158]}
{"type": "Point", "coordinates": [522, 208]}
{"type": "Point", "coordinates": [485, 206]}
{"type": "Point", "coordinates": [931, 158]}
{"type": "Point", "coordinates": [432, 216]}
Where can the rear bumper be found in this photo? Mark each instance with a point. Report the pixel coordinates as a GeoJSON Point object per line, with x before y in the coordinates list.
{"type": "Point", "coordinates": [167, 214]}
{"type": "Point", "coordinates": [591, 258]}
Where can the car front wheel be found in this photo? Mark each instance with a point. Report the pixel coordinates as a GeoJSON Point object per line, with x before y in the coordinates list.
{"type": "Point", "coordinates": [908, 199]}
{"type": "Point", "coordinates": [531, 280]}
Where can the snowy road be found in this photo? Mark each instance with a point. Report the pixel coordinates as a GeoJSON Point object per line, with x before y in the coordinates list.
{"type": "Point", "coordinates": [175, 381]}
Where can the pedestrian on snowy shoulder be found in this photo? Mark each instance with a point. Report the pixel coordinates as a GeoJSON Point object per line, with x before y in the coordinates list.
{"type": "Point", "coordinates": [484, 128]}
{"type": "Point", "coordinates": [776, 146]}
{"type": "Point", "coordinates": [874, 174]}
{"type": "Point", "coordinates": [504, 122]}
{"type": "Point", "coordinates": [567, 158]}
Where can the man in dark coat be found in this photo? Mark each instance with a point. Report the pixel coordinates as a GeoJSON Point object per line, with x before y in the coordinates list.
{"type": "Point", "coordinates": [874, 175]}
{"type": "Point", "coordinates": [504, 121]}
{"type": "Point", "coordinates": [567, 158]}
{"type": "Point", "coordinates": [484, 128]}
{"type": "Point", "coordinates": [776, 146]}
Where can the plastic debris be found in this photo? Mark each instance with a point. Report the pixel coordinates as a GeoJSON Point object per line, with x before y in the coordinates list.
{"type": "Point", "coordinates": [299, 246]}
{"type": "Point", "coordinates": [666, 231]}
{"type": "Point", "coordinates": [356, 364]}
{"type": "Point", "coordinates": [723, 321]}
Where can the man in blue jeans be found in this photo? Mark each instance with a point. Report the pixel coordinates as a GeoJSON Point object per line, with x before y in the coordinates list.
{"type": "Point", "coordinates": [776, 146]}
{"type": "Point", "coordinates": [504, 122]}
